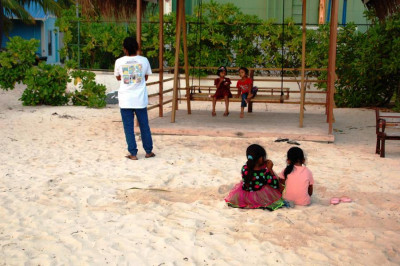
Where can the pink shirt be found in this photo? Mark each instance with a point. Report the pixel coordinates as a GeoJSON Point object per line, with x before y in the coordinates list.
{"type": "Point", "coordinates": [297, 183]}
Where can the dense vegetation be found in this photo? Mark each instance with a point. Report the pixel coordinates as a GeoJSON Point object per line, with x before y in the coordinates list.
{"type": "Point", "coordinates": [368, 63]}
{"type": "Point", "coordinates": [45, 84]}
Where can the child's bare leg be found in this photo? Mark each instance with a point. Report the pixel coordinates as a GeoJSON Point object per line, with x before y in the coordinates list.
{"type": "Point", "coordinates": [248, 98]}
{"type": "Point", "coordinates": [241, 112]}
{"type": "Point", "coordinates": [226, 105]}
{"type": "Point", "coordinates": [214, 102]}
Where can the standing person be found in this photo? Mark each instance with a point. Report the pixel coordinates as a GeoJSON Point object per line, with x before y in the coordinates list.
{"type": "Point", "coordinates": [133, 71]}
{"type": "Point", "coordinates": [259, 187]}
{"type": "Point", "coordinates": [297, 178]}
{"type": "Point", "coordinates": [244, 85]}
{"type": "Point", "coordinates": [223, 90]}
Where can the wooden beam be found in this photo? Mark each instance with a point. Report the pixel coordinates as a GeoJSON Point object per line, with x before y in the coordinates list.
{"type": "Point", "coordinates": [139, 25]}
{"type": "Point", "coordinates": [193, 131]}
{"type": "Point", "coordinates": [303, 64]}
{"type": "Point", "coordinates": [332, 62]}
{"type": "Point", "coordinates": [250, 104]}
{"type": "Point", "coordinates": [185, 54]}
{"type": "Point", "coordinates": [176, 67]}
{"type": "Point", "coordinates": [161, 57]}
{"type": "Point", "coordinates": [321, 19]}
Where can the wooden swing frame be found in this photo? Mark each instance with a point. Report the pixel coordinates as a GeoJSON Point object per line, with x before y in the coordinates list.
{"type": "Point", "coordinates": [181, 31]}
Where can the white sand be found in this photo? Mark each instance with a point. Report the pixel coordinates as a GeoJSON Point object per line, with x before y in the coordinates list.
{"type": "Point", "coordinates": [66, 197]}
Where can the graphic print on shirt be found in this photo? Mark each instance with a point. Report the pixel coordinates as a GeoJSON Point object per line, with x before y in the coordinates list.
{"type": "Point", "coordinates": [244, 87]}
{"type": "Point", "coordinates": [132, 74]}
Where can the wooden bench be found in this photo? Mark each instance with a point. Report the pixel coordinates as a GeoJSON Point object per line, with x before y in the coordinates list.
{"type": "Point", "coordinates": [264, 95]}
{"type": "Point", "coordinates": [386, 121]}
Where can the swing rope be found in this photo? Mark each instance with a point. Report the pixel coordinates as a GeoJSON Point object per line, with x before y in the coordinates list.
{"type": "Point", "coordinates": [198, 20]}
{"type": "Point", "coordinates": [198, 50]}
{"type": "Point", "coordinates": [282, 43]}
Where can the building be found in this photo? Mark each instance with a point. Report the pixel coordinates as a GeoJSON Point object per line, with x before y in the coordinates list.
{"type": "Point", "coordinates": [349, 11]}
{"type": "Point", "coordinates": [43, 29]}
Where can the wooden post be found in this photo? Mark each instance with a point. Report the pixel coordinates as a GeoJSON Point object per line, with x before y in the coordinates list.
{"type": "Point", "coordinates": [139, 25]}
{"type": "Point", "coordinates": [176, 67]}
{"type": "Point", "coordinates": [250, 105]}
{"type": "Point", "coordinates": [185, 54]}
{"type": "Point", "coordinates": [321, 19]}
{"type": "Point", "coordinates": [332, 61]}
{"type": "Point", "coordinates": [161, 59]}
{"type": "Point", "coordinates": [303, 64]}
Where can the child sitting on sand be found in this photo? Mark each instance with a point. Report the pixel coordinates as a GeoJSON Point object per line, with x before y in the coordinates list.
{"type": "Point", "coordinates": [297, 178]}
{"type": "Point", "coordinates": [259, 187]}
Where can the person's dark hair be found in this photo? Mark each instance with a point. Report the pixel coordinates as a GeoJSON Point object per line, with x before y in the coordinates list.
{"type": "Point", "coordinates": [253, 153]}
{"type": "Point", "coordinates": [131, 45]}
{"type": "Point", "coordinates": [294, 155]}
{"type": "Point", "coordinates": [220, 69]}
{"type": "Point", "coordinates": [246, 71]}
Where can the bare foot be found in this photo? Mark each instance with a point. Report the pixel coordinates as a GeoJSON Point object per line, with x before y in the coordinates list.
{"type": "Point", "coordinates": [226, 113]}
{"type": "Point", "coordinates": [241, 115]}
{"type": "Point", "coordinates": [213, 113]}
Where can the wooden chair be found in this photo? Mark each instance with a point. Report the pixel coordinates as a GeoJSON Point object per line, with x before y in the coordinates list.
{"type": "Point", "coordinates": [386, 121]}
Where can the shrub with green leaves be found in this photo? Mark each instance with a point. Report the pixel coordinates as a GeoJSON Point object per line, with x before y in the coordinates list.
{"type": "Point", "coordinates": [368, 64]}
{"type": "Point", "coordinates": [46, 84]}
{"type": "Point", "coordinates": [92, 94]}
{"type": "Point", "coordinates": [18, 57]}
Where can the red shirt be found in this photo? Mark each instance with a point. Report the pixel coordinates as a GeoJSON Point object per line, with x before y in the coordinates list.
{"type": "Point", "coordinates": [244, 85]}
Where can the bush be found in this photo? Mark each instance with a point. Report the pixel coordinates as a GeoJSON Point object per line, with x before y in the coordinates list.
{"type": "Point", "coordinates": [91, 94]}
{"type": "Point", "coordinates": [46, 84]}
{"type": "Point", "coordinates": [368, 64]}
{"type": "Point", "coordinates": [18, 57]}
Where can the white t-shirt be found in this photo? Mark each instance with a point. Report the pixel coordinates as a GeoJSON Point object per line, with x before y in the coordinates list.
{"type": "Point", "coordinates": [132, 91]}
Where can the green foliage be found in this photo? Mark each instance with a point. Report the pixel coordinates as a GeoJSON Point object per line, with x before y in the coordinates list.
{"type": "Point", "coordinates": [368, 64]}
{"type": "Point", "coordinates": [396, 108]}
{"type": "Point", "coordinates": [46, 84]}
{"type": "Point", "coordinates": [100, 42]}
{"type": "Point", "coordinates": [18, 57]}
{"type": "Point", "coordinates": [224, 32]}
{"type": "Point", "coordinates": [92, 94]}
{"type": "Point", "coordinates": [317, 47]}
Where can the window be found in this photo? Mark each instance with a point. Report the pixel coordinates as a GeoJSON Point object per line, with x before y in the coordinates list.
{"type": "Point", "coordinates": [50, 43]}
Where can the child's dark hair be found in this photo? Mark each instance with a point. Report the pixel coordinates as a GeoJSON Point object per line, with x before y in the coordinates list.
{"type": "Point", "coordinates": [131, 45]}
{"type": "Point", "coordinates": [246, 71]}
{"type": "Point", "coordinates": [220, 69]}
{"type": "Point", "coordinates": [253, 153]}
{"type": "Point", "coordinates": [294, 155]}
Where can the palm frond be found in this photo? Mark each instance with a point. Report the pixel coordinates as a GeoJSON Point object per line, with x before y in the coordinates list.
{"type": "Point", "coordinates": [119, 9]}
{"type": "Point", "coordinates": [383, 8]}
{"type": "Point", "coordinates": [13, 8]}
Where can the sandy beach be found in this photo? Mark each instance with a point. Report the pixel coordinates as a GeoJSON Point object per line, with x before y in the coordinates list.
{"type": "Point", "coordinates": [69, 197]}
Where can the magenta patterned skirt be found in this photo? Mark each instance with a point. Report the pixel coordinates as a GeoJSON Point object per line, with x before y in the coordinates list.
{"type": "Point", "coordinates": [266, 197]}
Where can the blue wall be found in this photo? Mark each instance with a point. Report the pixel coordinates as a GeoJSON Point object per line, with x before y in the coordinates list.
{"type": "Point", "coordinates": [25, 31]}
{"type": "Point", "coordinates": [41, 31]}
{"type": "Point", "coordinates": [51, 29]}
